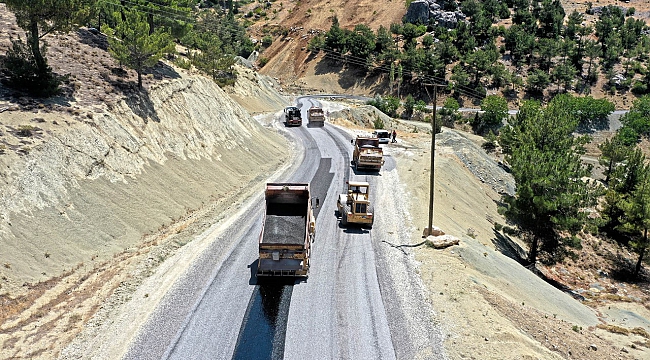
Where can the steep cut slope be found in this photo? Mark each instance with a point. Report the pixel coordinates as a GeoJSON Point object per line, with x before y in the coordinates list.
{"type": "Point", "coordinates": [288, 59]}
{"type": "Point", "coordinates": [90, 205]}
{"type": "Point", "coordinates": [95, 188]}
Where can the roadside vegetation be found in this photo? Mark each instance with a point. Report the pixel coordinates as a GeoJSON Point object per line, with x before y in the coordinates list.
{"type": "Point", "coordinates": [139, 34]}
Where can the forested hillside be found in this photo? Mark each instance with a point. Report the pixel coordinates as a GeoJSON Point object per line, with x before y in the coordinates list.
{"type": "Point", "coordinates": [518, 49]}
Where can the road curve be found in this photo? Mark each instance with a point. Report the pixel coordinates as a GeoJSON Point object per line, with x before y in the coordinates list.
{"type": "Point", "coordinates": [362, 299]}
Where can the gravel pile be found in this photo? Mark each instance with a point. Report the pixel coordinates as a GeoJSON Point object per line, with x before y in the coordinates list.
{"type": "Point", "coordinates": [285, 224]}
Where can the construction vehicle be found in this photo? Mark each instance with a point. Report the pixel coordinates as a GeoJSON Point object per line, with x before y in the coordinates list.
{"type": "Point", "coordinates": [367, 153]}
{"type": "Point", "coordinates": [354, 207]}
{"type": "Point", "coordinates": [316, 116]}
{"type": "Point", "coordinates": [287, 231]}
{"type": "Point", "coordinates": [292, 116]}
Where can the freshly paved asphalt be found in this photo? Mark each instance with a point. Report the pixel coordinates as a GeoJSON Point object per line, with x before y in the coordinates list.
{"type": "Point", "coordinates": [350, 307]}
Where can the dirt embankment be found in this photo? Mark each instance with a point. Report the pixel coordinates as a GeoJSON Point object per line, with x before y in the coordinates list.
{"type": "Point", "coordinates": [92, 200]}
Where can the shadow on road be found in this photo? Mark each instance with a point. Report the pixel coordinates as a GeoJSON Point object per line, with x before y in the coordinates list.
{"type": "Point", "coordinates": [263, 330]}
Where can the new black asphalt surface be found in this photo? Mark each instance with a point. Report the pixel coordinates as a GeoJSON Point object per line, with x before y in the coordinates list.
{"type": "Point", "coordinates": [351, 306]}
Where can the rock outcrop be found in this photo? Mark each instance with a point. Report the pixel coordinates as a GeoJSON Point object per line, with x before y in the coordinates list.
{"type": "Point", "coordinates": [432, 12]}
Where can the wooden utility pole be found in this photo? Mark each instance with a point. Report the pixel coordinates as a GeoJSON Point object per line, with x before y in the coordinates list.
{"type": "Point", "coordinates": [433, 153]}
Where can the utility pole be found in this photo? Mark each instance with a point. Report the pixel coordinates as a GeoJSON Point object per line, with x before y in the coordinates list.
{"type": "Point", "coordinates": [433, 153]}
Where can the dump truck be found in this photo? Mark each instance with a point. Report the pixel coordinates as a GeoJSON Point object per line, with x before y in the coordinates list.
{"type": "Point", "coordinates": [287, 232]}
{"type": "Point", "coordinates": [354, 206]}
{"type": "Point", "coordinates": [316, 116]}
{"type": "Point", "coordinates": [292, 116]}
{"type": "Point", "coordinates": [367, 153]}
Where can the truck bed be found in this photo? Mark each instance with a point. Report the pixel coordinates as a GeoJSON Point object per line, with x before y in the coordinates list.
{"type": "Point", "coordinates": [285, 224]}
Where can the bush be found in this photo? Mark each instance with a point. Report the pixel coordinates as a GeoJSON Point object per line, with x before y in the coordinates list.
{"type": "Point", "coordinates": [263, 61]}
{"type": "Point", "coordinates": [378, 123]}
{"type": "Point", "coordinates": [495, 111]}
{"type": "Point", "coordinates": [573, 242]}
{"type": "Point", "coordinates": [25, 75]}
{"type": "Point", "coordinates": [267, 41]}
{"type": "Point", "coordinates": [449, 114]}
{"type": "Point", "coordinates": [316, 44]}
{"type": "Point", "coordinates": [183, 63]}
{"type": "Point", "coordinates": [25, 130]}
{"type": "Point", "coordinates": [387, 105]}
{"type": "Point", "coordinates": [639, 88]}
{"type": "Point", "coordinates": [490, 141]}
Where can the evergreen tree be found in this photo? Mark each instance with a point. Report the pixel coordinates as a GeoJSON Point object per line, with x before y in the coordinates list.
{"type": "Point", "coordinates": [495, 110]}
{"type": "Point", "coordinates": [545, 50]}
{"type": "Point", "coordinates": [551, 18]}
{"type": "Point", "coordinates": [537, 81]}
{"type": "Point", "coordinates": [137, 48]}
{"type": "Point", "coordinates": [409, 105]}
{"type": "Point", "coordinates": [613, 151]}
{"type": "Point", "coordinates": [449, 114]}
{"type": "Point", "coordinates": [638, 118]}
{"type": "Point", "coordinates": [520, 43]}
{"type": "Point", "coordinates": [574, 22]}
{"type": "Point", "coordinates": [592, 51]}
{"type": "Point", "coordinates": [385, 46]}
{"type": "Point", "coordinates": [623, 180]}
{"type": "Point", "coordinates": [636, 220]}
{"type": "Point", "coordinates": [361, 44]}
{"type": "Point", "coordinates": [544, 157]}
{"type": "Point", "coordinates": [39, 18]}
{"type": "Point", "coordinates": [336, 38]}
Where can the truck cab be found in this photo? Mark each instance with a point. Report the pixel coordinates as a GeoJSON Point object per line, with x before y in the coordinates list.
{"type": "Point", "coordinates": [292, 116]}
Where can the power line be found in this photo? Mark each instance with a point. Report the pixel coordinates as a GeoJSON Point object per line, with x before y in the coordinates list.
{"type": "Point", "coordinates": [463, 90]}
{"type": "Point", "coordinates": [425, 77]}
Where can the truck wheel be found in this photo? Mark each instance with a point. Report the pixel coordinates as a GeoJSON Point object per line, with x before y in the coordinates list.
{"type": "Point", "coordinates": [356, 167]}
{"type": "Point", "coordinates": [371, 210]}
{"type": "Point", "coordinates": [344, 215]}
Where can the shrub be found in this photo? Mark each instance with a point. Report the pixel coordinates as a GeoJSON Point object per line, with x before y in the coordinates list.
{"type": "Point", "coordinates": [183, 63]}
{"type": "Point", "coordinates": [25, 130]}
{"type": "Point", "coordinates": [639, 88]}
{"type": "Point", "coordinates": [316, 43]}
{"type": "Point", "coordinates": [378, 123]}
{"type": "Point", "coordinates": [449, 114]}
{"type": "Point", "coordinates": [573, 242]}
{"type": "Point", "coordinates": [25, 75]}
{"type": "Point", "coordinates": [263, 61]}
{"type": "Point", "coordinates": [267, 41]}
{"type": "Point", "coordinates": [490, 141]}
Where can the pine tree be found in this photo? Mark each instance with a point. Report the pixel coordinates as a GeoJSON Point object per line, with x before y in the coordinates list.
{"type": "Point", "coordinates": [136, 47]}
{"type": "Point", "coordinates": [636, 219]}
{"type": "Point", "coordinates": [544, 157]}
{"type": "Point", "coordinates": [39, 18]}
{"type": "Point", "coordinates": [612, 152]}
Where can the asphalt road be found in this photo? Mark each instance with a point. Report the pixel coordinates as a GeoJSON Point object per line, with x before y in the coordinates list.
{"type": "Point", "coordinates": [362, 299]}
